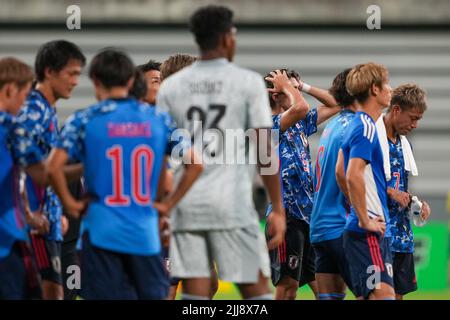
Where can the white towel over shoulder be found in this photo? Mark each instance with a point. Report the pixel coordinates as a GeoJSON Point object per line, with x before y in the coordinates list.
{"type": "Point", "coordinates": [410, 163]}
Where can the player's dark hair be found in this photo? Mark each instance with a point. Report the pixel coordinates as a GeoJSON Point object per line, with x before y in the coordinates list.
{"type": "Point", "coordinates": [139, 89]}
{"type": "Point", "coordinates": [112, 68]}
{"type": "Point", "coordinates": [55, 55]}
{"type": "Point", "coordinates": [269, 85]}
{"type": "Point", "coordinates": [339, 91]}
{"type": "Point", "coordinates": [149, 66]}
{"type": "Point", "coordinates": [208, 23]}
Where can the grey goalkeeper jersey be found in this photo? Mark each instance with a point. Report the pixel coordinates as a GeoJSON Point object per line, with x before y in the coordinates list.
{"type": "Point", "coordinates": [217, 102]}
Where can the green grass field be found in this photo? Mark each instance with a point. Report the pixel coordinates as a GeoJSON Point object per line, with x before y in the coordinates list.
{"type": "Point", "coordinates": [228, 291]}
{"type": "Point", "coordinates": [306, 294]}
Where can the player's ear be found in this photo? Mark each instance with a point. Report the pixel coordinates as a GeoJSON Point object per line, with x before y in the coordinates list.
{"type": "Point", "coordinates": [374, 90]}
{"type": "Point", "coordinates": [10, 90]}
{"type": "Point", "coordinates": [48, 72]}
{"type": "Point", "coordinates": [130, 83]}
{"type": "Point", "coordinates": [275, 96]}
{"type": "Point", "coordinates": [396, 109]}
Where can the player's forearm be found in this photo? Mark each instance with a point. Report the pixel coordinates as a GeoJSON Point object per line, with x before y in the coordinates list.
{"type": "Point", "coordinates": [190, 174]}
{"type": "Point", "coordinates": [192, 169]}
{"type": "Point", "coordinates": [58, 182]}
{"type": "Point", "coordinates": [162, 182]}
{"type": "Point", "coordinates": [56, 177]}
{"type": "Point", "coordinates": [37, 173]}
{"type": "Point", "coordinates": [73, 172]}
{"type": "Point", "coordinates": [272, 184]}
{"type": "Point", "coordinates": [341, 181]}
{"type": "Point", "coordinates": [357, 192]}
{"type": "Point", "coordinates": [323, 96]}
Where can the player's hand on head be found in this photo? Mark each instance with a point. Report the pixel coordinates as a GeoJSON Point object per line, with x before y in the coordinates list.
{"type": "Point", "coordinates": [39, 223]}
{"type": "Point", "coordinates": [426, 211]}
{"type": "Point", "coordinates": [279, 80]}
{"type": "Point", "coordinates": [276, 223]}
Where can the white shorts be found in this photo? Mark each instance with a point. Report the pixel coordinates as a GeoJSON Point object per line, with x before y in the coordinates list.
{"type": "Point", "coordinates": [239, 254]}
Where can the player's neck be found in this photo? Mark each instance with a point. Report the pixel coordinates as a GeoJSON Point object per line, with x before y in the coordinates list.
{"type": "Point", "coordinates": [3, 108]}
{"type": "Point", "coordinates": [372, 108]}
{"type": "Point", "coordinates": [277, 110]}
{"type": "Point", "coordinates": [113, 93]}
{"type": "Point", "coordinates": [46, 90]}
{"type": "Point", "coordinates": [212, 55]}
{"type": "Point", "coordinates": [390, 130]}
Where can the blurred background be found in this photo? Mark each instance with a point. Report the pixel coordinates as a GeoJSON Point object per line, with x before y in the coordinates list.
{"type": "Point", "coordinates": [317, 38]}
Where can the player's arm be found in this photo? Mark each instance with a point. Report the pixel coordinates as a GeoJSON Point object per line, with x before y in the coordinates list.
{"type": "Point", "coordinates": [55, 169]}
{"type": "Point", "coordinates": [73, 172]}
{"type": "Point", "coordinates": [357, 192]}
{"type": "Point", "coordinates": [299, 107]}
{"type": "Point", "coordinates": [340, 174]}
{"type": "Point", "coordinates": [426, 210]}
{"type": "Point", "coordinates": [403, 198]}
{"type": "Point", "coordinates": [38, 221]}
{"type": "Point", "coordinates": [329, 105]}
{"type": "Point", "coordinates": [269, 171]}
{"type": "Point", "coordinates": [192, 169]}
{"type": "Point", "coordinates": [162, 191]}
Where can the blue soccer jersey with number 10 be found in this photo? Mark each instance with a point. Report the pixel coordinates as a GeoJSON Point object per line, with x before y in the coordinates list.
{"type": "Point", "coordinates": [330, 209]}
{"type": "Point", "coordinates": [122, 144]}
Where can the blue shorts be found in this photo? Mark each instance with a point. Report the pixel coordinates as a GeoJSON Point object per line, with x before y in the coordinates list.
{"type": "Point", "coordinates": [19, 275]}
{"type": "Point", "coordinates": [370, 260]}
{"type": "Point", "coordinates": [330, 258]}
{"type": "Point", "coordinates": [111, 275]}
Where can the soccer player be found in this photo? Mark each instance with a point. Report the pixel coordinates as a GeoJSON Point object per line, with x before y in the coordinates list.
{"type": "Point", "coordinates": [216, 222]}
{"type": "Point", "coordinates": [121, 143]}
{"type": "Point", "coordinates": [139, 89]}
{"type": "Point", "coordinates": [407, 107]}
{"type": "Point", "coordinates": [170, 66]}
{"type": "Point", "coordinates": [58, 66]}
{"type": "Point", "coordinates": [153, 78]}
{"type": "Point", "coordinates": [293, 261]}
{"type": "Point", "coordinates": [18, 273]}
{"type": "Point", "coordinates": [330, 208]}
{"type": "Point", "coordinates": [367, 233]}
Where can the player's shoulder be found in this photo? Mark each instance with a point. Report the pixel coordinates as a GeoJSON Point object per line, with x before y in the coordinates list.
{"type": "Point", "coordinates": [35, 108]}
{"type": "Point", "coordinates": [163, 116]}
{"type": "Point", "coordinates": [83, 116]}
{"type": "Point", "coordinates": [6, 119]}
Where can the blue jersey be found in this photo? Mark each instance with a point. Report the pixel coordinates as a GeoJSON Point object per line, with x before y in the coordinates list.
{"type": "Point", "coordinates": [361, 141]}
{"type": "Point", "coordinates": [39, 118]}
{"type": "Point", "coordinates": [122, 144]}
{"type": "Point", "coordinates": [402, 236]}
{"type": "Point", "coordinates": [295, 168]}
{"type": "Point", "coordinates": [12, 220]}
{"type": "Point", "coordinates": [330, 208]}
